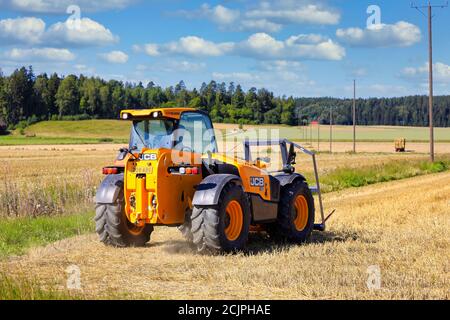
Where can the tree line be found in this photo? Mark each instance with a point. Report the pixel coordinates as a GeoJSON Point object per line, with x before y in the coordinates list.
{"type": "Point", "coordinates": [26, 98]}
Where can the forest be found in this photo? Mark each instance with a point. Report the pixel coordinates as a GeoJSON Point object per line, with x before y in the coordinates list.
{"type": "Point", "coordinates": [26, 98]}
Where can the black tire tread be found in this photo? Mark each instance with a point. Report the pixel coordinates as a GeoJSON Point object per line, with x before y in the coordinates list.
{"type": "Point", "coordinates": [205, 225]}
{"type": "Point", "coordinates": [109, 226]}
{"type": "Point", "coordinates": [283, 228]}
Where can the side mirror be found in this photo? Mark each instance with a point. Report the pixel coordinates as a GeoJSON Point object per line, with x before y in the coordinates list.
{"type": "Point", "coordinates": [125, 151]}
{"type": "Point", "coordinates": [122, 154]}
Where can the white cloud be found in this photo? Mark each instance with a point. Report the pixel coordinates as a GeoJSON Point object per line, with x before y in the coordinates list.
{"type": "Point", "coordinates": [260, 25]}
{"type": "Point", "coordinates": [151, 49]}
{"type": "Point", "coordinates": [39, 54]}
{"type": "Point", "coordinates": [60, 6]}
{"type": "Point", "coordinates": [32, 31]}
{"type": "Point", "coordinates": [279, 80]}
{"type": "Point", "coordinates": [258, 45]}
{"type": "Point", "coordinates": [185, 66]}
{"type": "Point", "coordinates": [441, 72]}
{"type": "Point", "coordinates": [401, 34]}
{"type": "Point", "coordinates": [306, 39]}
{"type": "Point", "coordinates": [196, 46]}
{"type": "Point", "coordinates": [166, 66]}
{"type": "Point", "coordinates": [230, 19]}
{"type": "Point", "coordinates": [21, 30]}
{"type": "Point", "coordinates": [262, 45]}
{"type": "Point", "coordinates": [84, 69]}
{"type": "Point", "coordinates": [190, 45]}
{"type": "Point", "coordinates": [236, 76]}
{"type": "Point", "coordinates": [219, 14]}
{"type": "Point", "coordinates": [172, 66]}
{"type": "Point", "coordinates": [266, 17]}
{"type": "Point", "coordinates": [292, 13]}
{"type": "Point", "coordinates": [85, 32]}
{"type": "Point", "coordinates": [118, 57]}
{"type": "Point", "coordinates": [280, 65]}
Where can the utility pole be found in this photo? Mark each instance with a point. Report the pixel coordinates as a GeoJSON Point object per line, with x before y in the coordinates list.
{"type": "Point", "coordinates": [302, 131]}
{"type": "Point", "coordinates": [430, 66]}
{"type": "Point", "coordinates": [305, 137]}
{"type": "Point", "coordinates": [331, 129]}
{"type": "Point", "coordinates": [305, 133]}
{"type": "Point", "coordinates": [354, 116]}
{"type": "Point", "coordinates": [318, 135]}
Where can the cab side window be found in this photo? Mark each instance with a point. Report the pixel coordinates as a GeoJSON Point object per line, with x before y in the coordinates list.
{"type": "Point", "coordinates": [199, 133]}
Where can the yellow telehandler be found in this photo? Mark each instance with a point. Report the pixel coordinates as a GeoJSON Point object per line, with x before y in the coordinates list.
{"type": "Point", "coordinates": [172, 175]}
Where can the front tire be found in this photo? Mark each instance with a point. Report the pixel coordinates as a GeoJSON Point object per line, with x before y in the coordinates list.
{"type": "Point", "coordinates": [295, 220]}
{"type": "Point", "coordinates": [114, 228]}
{"type": "Point", "coordinates": [225, 227]}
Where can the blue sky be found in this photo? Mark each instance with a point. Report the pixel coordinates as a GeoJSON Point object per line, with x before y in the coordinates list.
{"type": "Point", "coordinates": [292, 47]}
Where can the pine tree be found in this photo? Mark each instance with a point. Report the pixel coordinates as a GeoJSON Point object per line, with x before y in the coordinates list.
{"type": "Point", "coordinates": [68, 96]}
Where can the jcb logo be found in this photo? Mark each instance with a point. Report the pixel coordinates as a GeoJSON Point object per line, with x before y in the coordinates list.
{"type": "Point", "coordinates": [257, 182]}
{"type": "Point", "coordinates": [149, 156]}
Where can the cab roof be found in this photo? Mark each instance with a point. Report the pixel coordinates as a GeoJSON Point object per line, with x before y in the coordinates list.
{"type": "Point", "coordinates": [173, 113]}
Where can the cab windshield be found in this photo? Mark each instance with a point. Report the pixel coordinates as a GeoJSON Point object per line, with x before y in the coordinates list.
{"type": "Point", "coordinates": [152, 134]}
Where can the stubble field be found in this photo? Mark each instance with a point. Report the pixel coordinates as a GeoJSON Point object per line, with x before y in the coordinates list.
{"type": "Point", "coordinates": [399, 228]}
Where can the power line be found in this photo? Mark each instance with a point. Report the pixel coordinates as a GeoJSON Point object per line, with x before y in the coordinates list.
{"type": "Point", "coordinates": [430, 53]}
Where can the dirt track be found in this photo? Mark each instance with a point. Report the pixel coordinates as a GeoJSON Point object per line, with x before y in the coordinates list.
{"type": "Point", "coordinates": [402, 227]}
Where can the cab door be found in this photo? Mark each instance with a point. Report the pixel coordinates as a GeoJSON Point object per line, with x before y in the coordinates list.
{"type": "Point", "coordinates": [193, 137]}
{"type": "Point", "coordinates": [199, 134]}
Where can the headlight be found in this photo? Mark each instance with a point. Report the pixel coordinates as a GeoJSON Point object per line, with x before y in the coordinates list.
{"type": "Point", "coordinates": [125, 116]}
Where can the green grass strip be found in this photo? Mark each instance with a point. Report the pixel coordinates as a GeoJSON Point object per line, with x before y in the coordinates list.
{"type": "Point", "coordinates": [20, 288]}
{"type": "Point", "coordinates": [18, 235]}
{"type": "Point", "coordinates": [22, 141]}
{"type": "Point", "coordinates": [347, 177]}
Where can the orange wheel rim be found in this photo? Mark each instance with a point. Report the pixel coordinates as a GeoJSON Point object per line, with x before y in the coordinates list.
{"type": "Point", "coordinates": [132, 228]}
{"type": "Point", "coordinates": [234, 220]}
{"type": "Point", "coordinates": [301, 209]}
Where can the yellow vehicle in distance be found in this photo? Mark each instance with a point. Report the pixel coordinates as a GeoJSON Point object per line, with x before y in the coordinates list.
{"type": "Point", "coordinates": [400, 145]}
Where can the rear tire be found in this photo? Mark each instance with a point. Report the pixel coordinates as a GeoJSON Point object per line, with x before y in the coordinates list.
{"type": "Point", "coordinates": [295, 220]}
{"type": "Point", "coordinates": [225, 227]}
{"type": "Point", "coordinates": [114, 228]}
